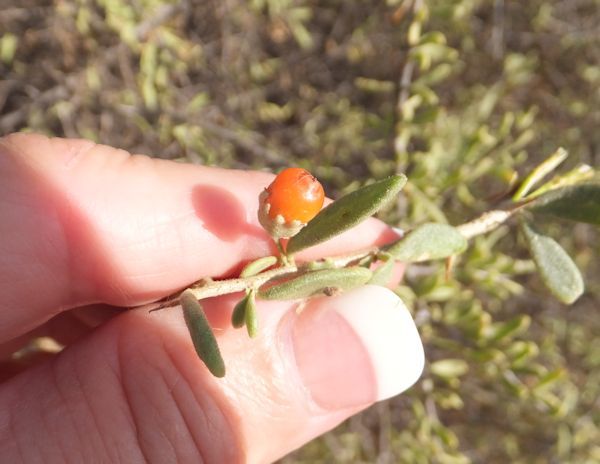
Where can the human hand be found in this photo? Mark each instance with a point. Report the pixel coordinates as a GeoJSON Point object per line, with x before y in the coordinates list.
{"type": "Point", "coordinates": [85, 226]}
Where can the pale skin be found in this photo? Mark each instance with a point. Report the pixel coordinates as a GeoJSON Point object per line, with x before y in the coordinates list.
{"type": "Point", "coordinates": [87, 230]}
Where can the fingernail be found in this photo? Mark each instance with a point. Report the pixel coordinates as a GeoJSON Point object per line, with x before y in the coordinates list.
{"type": "Point", "coordinates": [357, 348]}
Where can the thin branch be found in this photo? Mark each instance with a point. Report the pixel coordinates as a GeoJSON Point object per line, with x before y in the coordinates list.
{"type": "Point", "coordinates": [210, 288]}
{"type": "Point", "coordinates": [486, 222]}
{"type": "Point", "coordinates": [203, 289]}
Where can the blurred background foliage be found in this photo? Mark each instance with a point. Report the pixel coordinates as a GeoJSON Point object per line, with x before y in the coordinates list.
{"type": "Point", "coordinates": [461, 95]}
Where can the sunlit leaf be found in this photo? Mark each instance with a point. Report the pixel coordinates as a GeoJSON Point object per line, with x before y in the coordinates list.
{"type": "Point", "coordinates": [502, 330]}
{"type": "Point", "coordinates": [428, 241]}
{"type": "Point", "coordinates": [346, 213]}
{"type": "Point", "coordinates": [202, 335]}
{"type": "Point", "coordinates": [317, 282]}
{"type": "Point", "coordinates": [520, 352]}
{"type": "Point", "coordinates": [557, 269]}
{"type": "Point", "coordinates": [449, 368]}
{"type": "Point", "coordinates": [542, 170]}
{"type": "Point", "coordinates": [577, 175]}
{"type": "Point", "coordinates": [577, 203]}
{"type": "Point", "coordinates": [257, 266]}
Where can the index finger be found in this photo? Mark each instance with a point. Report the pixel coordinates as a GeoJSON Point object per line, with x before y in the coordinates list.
{"type": "Point", "coordinates": [85, 223]}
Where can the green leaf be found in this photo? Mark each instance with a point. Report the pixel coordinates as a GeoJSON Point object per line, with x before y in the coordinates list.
{"type": "Point", "coordinates": [317, 282]}
{"type": "Point", "coordinates": [346, 213]}
{"type": "Point", "coordinates": [520, 353]}
{"type": "Point", "coordinates": [428, 241]}
{"type": "Point", "coordinates": [577, 175]}
{"type": "Point", "coordinates": [557, 269]}
{"type": "Point", "coordinates": [502, 330]}
{"type": "Point", "coordinates": [449, 368]}
{"type": "Point", "coordinates": [541, 171]}
{"type": "Point", "coordinates": [202, 335]}
{"type": "Point", "coordinates": [577, 203]}
{"type": "Point", "coordinates": [238, 317]}
{"type": "Point", "coordinates": [251, 316]}
{"type": "Point", "coordinates": [257, 266]}
{"type": "Point", "coordinates": [244, 313]}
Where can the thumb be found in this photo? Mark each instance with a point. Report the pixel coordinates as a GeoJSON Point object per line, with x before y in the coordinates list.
{"type": "Point", "coordinates": [314, 365]}
{"type": "Point", "coordinates": [135, 389]}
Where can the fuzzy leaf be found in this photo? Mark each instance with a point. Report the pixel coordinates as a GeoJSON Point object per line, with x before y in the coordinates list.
{"type": "Point", "coordinates": [578, 203]}
{"type": "Point", "coordinates": [257, 266]}
{"type": "Point", "coordinates": [251, 316]}
{"type": "Point", "coordinates": [428, 241]}
{"type": "Point", "coordinates": [317, 282]}
{"type": "Point", "coordinates": [557, 269]}
{"type": "Point", "coordinates": [238, 317]}
{"type": "Point", "coordinates": [542, 170]}
{"type": "Point", "coordinates": [577, 175]}
{"type": "Point", "coordinates": [346, 213]}
{"type": "Point", "coordinates": [202, 335]}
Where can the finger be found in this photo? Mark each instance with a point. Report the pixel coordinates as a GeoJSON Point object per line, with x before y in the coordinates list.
{"type": "Point", "coordinates": [135, 389]}
{"type": "Point", "coordinates": [84, 223]}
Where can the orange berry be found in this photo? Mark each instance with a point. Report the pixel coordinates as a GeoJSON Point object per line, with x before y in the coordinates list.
{"type": "Point", "coordinates": [295, 194]}
{"type": "Point", "coordinates": [292, 199]}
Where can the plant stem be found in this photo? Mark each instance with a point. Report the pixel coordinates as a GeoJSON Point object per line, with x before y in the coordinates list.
{"type": "Point", "coordinates": [210, 288]}
{"type": "Point", "coordinates": [283, 257]}
{"type": "Point", "coordinates": [485, 223]}
{"type": "Point", "coordinates": [207, 289]}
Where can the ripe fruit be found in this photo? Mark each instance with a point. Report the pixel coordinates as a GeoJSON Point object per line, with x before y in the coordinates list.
{"type": "Point", "coordinates": [292, 199]}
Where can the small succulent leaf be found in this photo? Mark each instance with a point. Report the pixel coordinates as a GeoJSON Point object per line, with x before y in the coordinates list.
{"type": "Point", "coordinates": [521, 352]}
{"type": "Point", "coordinates": [558, 271]}
{"type": "Point", "coordinates": [238, 317]}
{"type": "Point", "coordinates": [251, 315]}
{"type": "Point", "coordinates": [508, 329]}
{"type": "Point", "coordinates": [383, 274]}
{"type": "Point", "coordinates": [577, 175]}
{"type": "Point", "coordinates": [347, 212]}
{"type": "Point", "coordinates": [541, 171]}
{"type": "Point", "coordinates": [428, 241]}
{"type": "Point", "coordinates": [579, 202]}
{"type": "Point", "coordinates": [316, 282]}
{"type": "Point", "coordinates": [449, 368]}
{"type": "Point", "coordinates": [202, 335]}
{"type": "Point", "coordinates": [257, 266]}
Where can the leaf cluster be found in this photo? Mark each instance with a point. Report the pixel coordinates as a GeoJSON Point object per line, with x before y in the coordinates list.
{"type": "Point", "coordinates": [427, 242]}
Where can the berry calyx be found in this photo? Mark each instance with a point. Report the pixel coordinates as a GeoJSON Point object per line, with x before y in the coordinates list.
{"type": "Point", "coordinates": [292, 199]}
